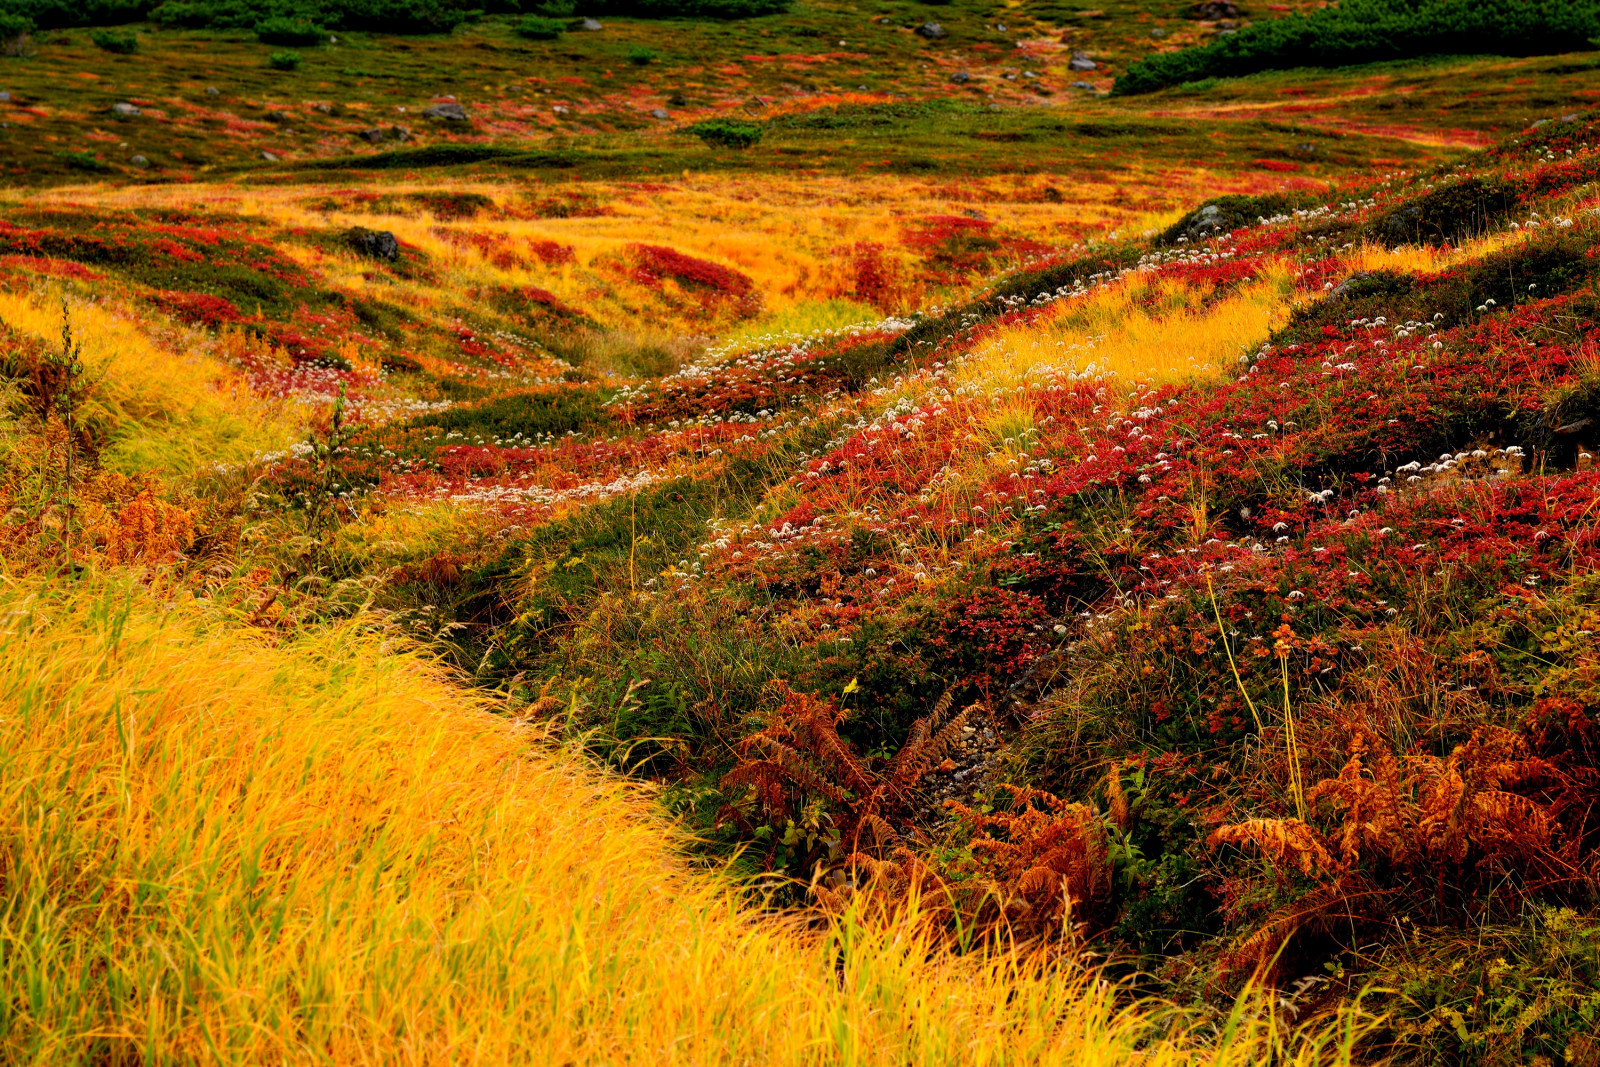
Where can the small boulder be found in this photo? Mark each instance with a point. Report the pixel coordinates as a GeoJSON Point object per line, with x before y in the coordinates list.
{"type": "Point", "coordinates": [659, 113]}
{"type": "Point", "coordinates": [1081, 62]}
{"type": "Point", "coordinates": [374, 244]}
{"type": "Point", "coordinates": [400, 133]}
{"type": "Point", "coordinates": [1212, 10]}
{"type": "Point", "coordinates": [374, 135]}
{"type": "Point", "coordinates": [961, 77]}
{"type": "Point", "coordinates": [279, 117]}
{"type": "Point", "coordinates": [588, 24]}
{"type": "Point", "coordinates": [139, 162]}
{"type": "Point", "coordinates": [1158, 33]}
{"type": "Point", "coordinates": [1083, 85]}
{"type": "Point", "coordinates": [124, 110]}
{"type": "Point", "coordinates": [931, 31]}
{"type": "Point", "coordinates": [449, 111]}
{"type": "Point", "coordinates": [212, 90]}
{"type": "Point", "coordinates": [269, 157]}
{"type": "Point", "coordinates": [5, 96]}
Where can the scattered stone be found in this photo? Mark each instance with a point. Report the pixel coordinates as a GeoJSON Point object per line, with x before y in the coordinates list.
{"type": "Point", "coordinates": [1227, 24]}
{"type": "Point", "coordinates": [659, 113]}
{"type": "Point", "coordinates": [374, 135]}
{"type": "Point", "coordinates": [1226, 33]}
{"type": "Point", "coordinates": [5, 96]}
{"type": "Point", "coordinates": [588, 24]}
{"type": "Point", "coordinates": [324, 108]}
{"type": "Point", "coordinates": [931, 31]}
{"type": "Point", "coordinates": [862, 89]}
{"type": "Point", "coordinates": [125, 110]}
{"type": "Point", "coordinates": [1000, 27]}
{"type": "Point", "coordinates": [140, 162]}
{"type": "Point", "coordinates": [1212, 10]}
{"type": "Point", "coordinates": [1083, 85]}
{"type": "Point", "coordinates": [449, 111]}
{"type": "Point", "coordinates": [374, 244]}
{"type": "Point", "coordinates": [1308, 148]}
{"type": "Point", "coordinates": [212, 90]}
{"type": "Point", "coordinates": [269, 157]}
{"type": "Point", "coordinates": [1158, 33]}
{"type": "Point", "coordinates": [400, 133]}
{"type": "Point", "coordinates": [1029, 74]}
{"type": "Point", "coordinates": [279, 117]}
{"type": "Point", "coordinates": [1081, 62]}
{"type": "Point", "coordinates": [961, 77]}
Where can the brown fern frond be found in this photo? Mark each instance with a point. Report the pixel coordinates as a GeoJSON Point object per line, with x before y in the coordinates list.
{"type": "Point", "coordinates": [1284, 841]}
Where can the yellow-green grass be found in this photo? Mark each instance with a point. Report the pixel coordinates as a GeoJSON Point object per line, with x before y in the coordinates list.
{"type": "Point", "coordinates": [166, 404]}
{"type": "Point", "coordinates": [218, 849]}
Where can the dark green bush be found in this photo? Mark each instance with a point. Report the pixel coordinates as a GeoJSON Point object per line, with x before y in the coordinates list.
{"type": "Point", "coordinates": [727, 133]}
{"type": "Point", "coordinates": [121, 44]}
{"type": "Point", "coordinates": [641, 57]}
{"type": "Point", "coordinates": [540, 28]}
{"type": "Point", "coordinates": [83, 161]}
{"type": "Point", "coordinates": [1365, 31]}
{"type": "Point", "coordinates": [281, 29]}
{"type": "Point", "coordinates": [13, 28]}
{"type": "Point", "coordinates": [52, 14]}
{"type": "Point", "coordinates": [556, 9]}
{"type": "Point", "coordinates": [284, 60]}
{"type": "Point", "coordinates": [708, 9]}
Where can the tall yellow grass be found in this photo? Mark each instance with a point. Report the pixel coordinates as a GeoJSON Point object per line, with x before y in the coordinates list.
{"type": "Point", "coordinates": [1138, 330]}
{"type": "Point", "coordinates": [167, 410]}
{"type": "Point", "coordinates": [215, 850]}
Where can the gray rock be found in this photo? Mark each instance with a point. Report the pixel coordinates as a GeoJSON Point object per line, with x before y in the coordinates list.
{"type": "Point", "coordinates": [212, 90]}
{"type": "Point", "coordinates": [1083, 85]}
{"type": "Point", "coordinates": [931, 31]}
{"type": "Point", "coordinates": [1000, 27]}
{"type": "Point", "coordinates": [589, 24]}
{"type": "Point", "coordinates": [1307, 147]}
{"type": "Point", "coordinates": [862, 89]}
{"type": "Point", "coordinates": [374, 135]}
{"type": "Point", "coordinates": [659, 113]}
{"type": "Point", "coordinates": [140, 162]}
{"type": "Point", "coordinates": [449, 111]}
{"type": "Point", "coordinates": [1158, 33]}
{"type": "Point", "coordinates": [269, 157]}
{"type": "Point", "coordinates": [326, 109]}
{"type": "Point", "coordinates": [374, 244]}
{"type": "Point", "coordinates": [400, 133]}
{"type": "Point", "coordinates": [124, 110]}
{"type": "Point", "coordinates": [5, 96]}
{"type": "Point", "coordinates": [961, 77]}
{"type": "Point", "coordinates": [1081, 62]}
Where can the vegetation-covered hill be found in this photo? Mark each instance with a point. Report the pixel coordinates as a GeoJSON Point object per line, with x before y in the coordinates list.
{"type": "Point", "coordinates": [1003, 529]}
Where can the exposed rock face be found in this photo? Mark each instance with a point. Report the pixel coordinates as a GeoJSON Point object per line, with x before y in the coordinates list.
{"type": "Point", "coordinates": [374, 244]}
{"type": "Point", "coordinates": [449, 111]}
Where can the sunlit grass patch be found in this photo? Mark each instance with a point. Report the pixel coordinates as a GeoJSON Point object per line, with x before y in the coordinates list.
{"type": "Point", "coordinates": [1139, 330]}
{"type": "Point", "coordinates": [168, 410]}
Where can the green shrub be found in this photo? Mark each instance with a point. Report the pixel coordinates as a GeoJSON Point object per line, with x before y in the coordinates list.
{"type": "Point", "coordinates": [641, 57]}
{"type": "Point", "coordinates": [282, 30]}
{"type": "Point", "coordinates": [1365, 31]}
{"type": "Point", "coordinates": [13, 29]}
{"type": "Point", "coordinates": [83, 161]}
{"type": "Point", "coordinates": [556, 9]}
{"type": "Point", "coordinates": [284, 60]}
{"type": "Point", "coordinates": [539, 28]}
{"type": "Point", "coordinates": [727, 133]}
{"type": "Point", "coordinates": [121, 44]}
{"type": "Point", "coordinates": [52, 14]}
{"type": "Point", "coordinates": [708, 9]}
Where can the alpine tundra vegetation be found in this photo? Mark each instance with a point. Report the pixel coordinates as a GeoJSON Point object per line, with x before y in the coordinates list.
{"type": "Point", "coordinates": [852, 531]}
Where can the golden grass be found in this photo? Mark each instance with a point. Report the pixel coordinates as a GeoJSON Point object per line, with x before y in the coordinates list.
{"type": "Point", "coordinates": [215, 850]}
{"type": "Point", "coordinates": [167, 410]}
{"type": "Point", "coordinates": [1138, 330]}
